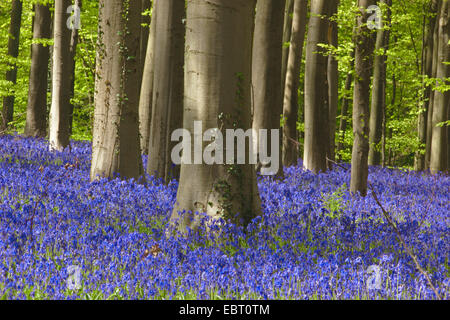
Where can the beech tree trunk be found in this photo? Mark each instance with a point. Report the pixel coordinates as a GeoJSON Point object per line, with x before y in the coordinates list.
{"type": "Point", "coordinates": [378, 103]}
{"type": "Point", "coordinates": [115, 147]}
{"type": "Point", "coordinates": [167, 102]}
{"type": "Point", "coordinates": [13, 51]}
{"type": "Point", "coordinates": [290, 151]}
{"type": "Point", "coordinates": [317, 135]}
{"type": "Point", "coordinates": [145, 29]}
{"type": "Point", "coordinates": [73, 51]}
{"type": "Point", "coordinates": [365, 44]}
{"type": "Point", "coordinates": [146, 96]}
{"type": "Point", "coordinates": [266, 64]}
{"type": "Point", "coordinates": [36, 121]}
{"type": "Point", "coordinates": [434, 65]}
{"type": "Point", "coordinates": [59, 132]}
{"type": "Point", "coordinates": [218, 93]}
{"type": "Point", "coordinates": [333, 80]}
{"type": "Point", "coordinates": [427, 70]}
{"type": "Point", "coordinates": [287, 30]}
{"type": "Point", "coordinates": [439, 142]}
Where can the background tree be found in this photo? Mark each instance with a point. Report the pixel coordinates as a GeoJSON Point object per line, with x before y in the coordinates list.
{"type": "Point", "coordinates": [316, 89]}
{"type": "Point", "coordinates": [115, 145]}
{"type": "Point", "coordinates": [146, 93]}
{"type": "Point", "coordinates": [218, 93]}
{"type": "Point", "coordinates": [429, 21]}
{"type": "Point", "coordinates": [333, 78]}
{"type": "Point", "coordinates": [378, 102]}
{"type": "Point", "coordinates": [364, 47]}
{"type": "Point", "coordinates": [266, 64]}
{"type": "Point", "coordinates": [13, 52]}
{"type": "Point", "coordinates": [36, 119]}
{"type": "Point", "coordinates": [290, 152]}
{"type": "Point", "coordinates": [441, 103]}
{"type": "Point", "coordinates": [287, 29]}
{"type": "Point", "coordinates": [59, 132]}
{"type": "Point", "coordinates": [167, 102]}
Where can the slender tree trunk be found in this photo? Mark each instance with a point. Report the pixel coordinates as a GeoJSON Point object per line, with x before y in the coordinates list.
{"type": "Point", "coordinates": [290, 108]}
{"type": "Point", "coordinates": [333, 80]}
{"type": "Point", "coordinates": [427, 70]}
{"type": "Point", "coordinates": [167, 84]}
{"type": "Point", "coordinates": [145, 29]}
{"type": "Point", "coordinates": [378, 103]}
{"type": "Point", "coordinates": [116, 128]}
{"type": "Point", "coordinates": [365, 43]}
{"type": "Point", "coordinates": [13, 51]}
{"type": "Point", "coordinates": [146, 96]}
{"type": "Point", "coordinates": [59, 132]}
{"type": "Point", "coordinates": [73, 51]}
{"type": "Point", "coordinates": [439, 143]}
{"type": "Point", "coordinates": [317, 129]}
{"type": "Point", "coordinates": [36, 121]}
{"type": "Point", "coordinates": [434, 65]}
{"type": "Point", "coordinates": [218, 93]}
{"type": "Point", "coordinates": [346, 98]}
{"type": "Point", "coordinates": [266, 62]}
{"type": "Point", "coordinates": [287, 29]}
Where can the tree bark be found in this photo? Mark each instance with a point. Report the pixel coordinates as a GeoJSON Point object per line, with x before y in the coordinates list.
{"type": "Point", "coordinates": [59, 132]}
{"type": "Point", "coordinates": [378, 103]}
{"type": "Point", "coordinates": [434, 65]}
{"type": "Point", "coordinates": [290, 151]}
{"type": "Point", "coordinates": [439, 143]}
{"type": "Point", "coordinates": [73, 51]}
{"type": "Point", "coordinates": [287, 30]}
{"type": "Point", "coordinates": [13, 51]}
{"type": "Point", "coordinates": [427, 71]}
{"type": "Point", "coordinates": [116, 127]}
{"type": "Point", "coordinates": [36, 121]}
{"type": "Point", "coordinates": [145, 30]}
{"type": "Point", "coordinates": [266, 64]}
{"type": "Point", "coordinates": [218, 93]}
{"type": "Point", "coordinates": [146, 96]}
{"type": "Point", "coordinates": [365, 44]}
{"type": "Point", "coordinates": [333, 80]}
{"type": "Point", "coordinates": [317, 129]}
{"type": "Point", "coordinates": [167, 102]}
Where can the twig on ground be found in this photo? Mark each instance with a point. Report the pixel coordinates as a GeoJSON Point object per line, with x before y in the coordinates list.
{"type": "Point", "coordinates": [408, 250]}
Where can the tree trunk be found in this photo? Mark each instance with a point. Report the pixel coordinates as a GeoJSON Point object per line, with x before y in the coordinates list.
{"type": "Point", "coordinates": [266, 64]}
{"type": "Point", "coordinates": [59, 132]}
{"type": "Point", "coordinates": [333, 80]}
{"type": "Point", "coordinates": [287, 30]}
{"type": "Point", "coordinates": [146, 96]}
{"type": "Point", "coordinates": [167, 102]}
{"type": "Point", "coordinates": [13, 51]}
{"type": "Point", "coordinates": [218, 94]}
{"type": "Point", "coordinates": [290, 108]}
{"type": "Point", "coordinates": [115, 146]}
{"type": "Point", "coordinates": [427, 70]}
{"type": "Point", "coordinates": [73, 51]}
{"type": "Point", "coordinates": [365, 43]}
{"type": "Point", "coordinates": [317, 135]}
{"type": "Point", "coordinates": [346, 98]}
{"type": "Point", "coordinates": [145, 28]}
{"type": "Point", "coordinates": [36, 121]}
{"type": "Point", "coordinates": [378, 103]}
{"type": "Point", "coordinates": [439, 143]}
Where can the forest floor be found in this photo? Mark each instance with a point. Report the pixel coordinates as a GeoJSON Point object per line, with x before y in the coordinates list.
{"type": "Point", "coordinates": [64, 237]}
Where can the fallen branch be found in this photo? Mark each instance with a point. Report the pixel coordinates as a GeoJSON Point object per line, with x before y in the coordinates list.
{"type": "Point", "coordinates": [408, 250]}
